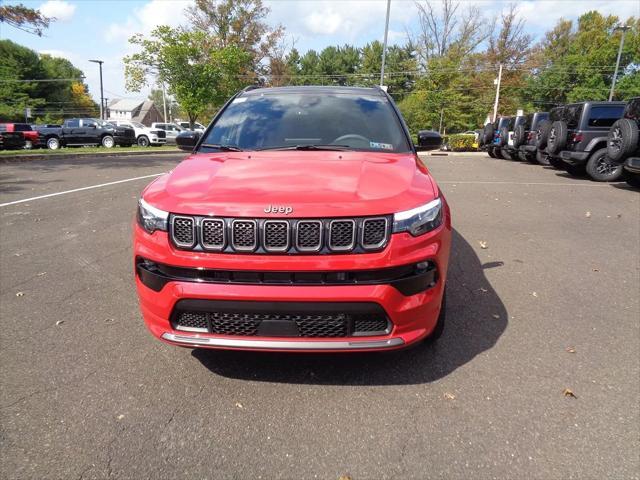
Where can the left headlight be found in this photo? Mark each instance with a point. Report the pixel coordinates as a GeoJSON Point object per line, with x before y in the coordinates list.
{"type": "Point", "coordinates": [419, 220]}
{"type": "Point", "coordinates": [151, 218]}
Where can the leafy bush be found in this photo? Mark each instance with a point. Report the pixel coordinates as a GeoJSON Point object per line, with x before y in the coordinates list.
{"type": "Point", "coordinates": [461, 142]}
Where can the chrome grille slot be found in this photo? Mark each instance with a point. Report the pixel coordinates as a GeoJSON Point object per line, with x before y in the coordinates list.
{"type": "Point", "coordinates": [309, 235]}
{"type": "Point", "coordinates": [275, 235]}
{"type": "Point", "coordinates": [374, 232]}
{"type": "Point", "coordinates": [342, 234]}
{"type": "Point", "coordinates": [183, 231]}
{"type": "Point", "coordinates": [212, 234]}
{"type": "Point", "coordinates": [244, 236]}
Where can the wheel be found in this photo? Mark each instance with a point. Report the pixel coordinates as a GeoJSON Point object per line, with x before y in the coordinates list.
{"type": "Point", "coordinates": [107, 141]}
{"type": "Point", "coordinates": [505, 154]}
{"type": "Point", "coordinates": [53, 143]}
{"type": "Point", "coordinates": [542, 134]}
{"type": "Point", "coordinates": [542, 158]}
{"type": "Point", "coordinates": [602, 169]}
{"type": "Point", "coordinates": [497, 152]}
{"type": "Point", "coordinates": [491, 153]}
{"type": "Point", "coordinates": [439, 328]}
{"type": "Point", "coordinates": [518, 136]}
{"type": "Point", "coordinates": [487, 133]}
{"type": "Point", "coordinates": [633, 179]}
{"type": "Point", "coordinates": [622, 140]}
{"type": "Point", "coordinates": [143, 141]}
{"type": "Point", "coordinates": [557, 139]}
{"type": "Point", "coordinates": [556, 162]}
{"type": "Point", "coordinates": [575, 170]}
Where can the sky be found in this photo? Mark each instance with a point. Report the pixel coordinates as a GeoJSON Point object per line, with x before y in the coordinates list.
{"type": "Point", "coordinates": [99, 29]}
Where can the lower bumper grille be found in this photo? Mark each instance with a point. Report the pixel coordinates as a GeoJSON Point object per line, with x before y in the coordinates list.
{"type": "Point", "coordinates": [295, 320]}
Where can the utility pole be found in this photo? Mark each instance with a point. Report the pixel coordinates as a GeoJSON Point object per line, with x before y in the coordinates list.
{"type": "Point", "coordinates": [164, 103]}
{"type": "Point", "coordinates": [100, 62]}
{"type": "Point", "coordinates": [497, 82]}
{"type": "Point", "coordinates": [106, 110]}
{"type": "Point", "coordinates": [384, 46]}
{"type": "Point", "coordinates": [624, 29]}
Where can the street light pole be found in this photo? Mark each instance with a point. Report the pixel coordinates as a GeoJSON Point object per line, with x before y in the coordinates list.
{"type": "Point", "coordinates": [624, 29]}
{"type": "Point", "coordinates": [384, 46]}
{"type": "Point", "coordinates": [100, 62]}
{"type": "Point", "coordinates": [495, 105]}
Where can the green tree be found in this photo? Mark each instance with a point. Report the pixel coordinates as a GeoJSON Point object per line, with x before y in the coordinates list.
{"type": "Point", "coordinates": [200, 75]}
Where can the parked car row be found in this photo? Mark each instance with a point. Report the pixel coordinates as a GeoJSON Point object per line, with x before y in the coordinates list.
{"type": "Point", "coordinates": [599, 139]}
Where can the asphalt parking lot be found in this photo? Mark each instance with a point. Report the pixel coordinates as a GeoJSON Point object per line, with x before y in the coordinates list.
{"type": "Point", "coordinates": [543, 297]}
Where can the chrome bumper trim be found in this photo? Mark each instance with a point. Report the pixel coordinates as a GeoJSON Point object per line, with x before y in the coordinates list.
{"type": "Point", "coordinates": [281, 344]}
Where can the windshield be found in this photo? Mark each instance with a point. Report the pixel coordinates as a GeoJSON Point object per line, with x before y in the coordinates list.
{"type": "Point", "coordinates": [136, 125]}
{"type": "Point", "coordinates": [272, 121]}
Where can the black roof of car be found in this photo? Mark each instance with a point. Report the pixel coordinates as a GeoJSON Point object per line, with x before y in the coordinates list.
{"type": "Point", "coordinates": [327, 90]}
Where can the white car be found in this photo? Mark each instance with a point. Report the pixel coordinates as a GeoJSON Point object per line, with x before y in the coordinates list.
{"type": "Point", "coordinates": [197, 127]}
{"type": "Point", "coordinates": [145, 136]}
{"type": "Point", "coordinates": [171, 129]}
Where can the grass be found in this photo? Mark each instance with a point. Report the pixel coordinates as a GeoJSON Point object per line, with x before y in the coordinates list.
{"type": "Point", "coordinates": [84, 150]}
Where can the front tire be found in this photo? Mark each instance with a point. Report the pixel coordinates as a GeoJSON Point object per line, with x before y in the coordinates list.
{"type": "Point", "coordinates": [491, 153]}
{"type": "Point", "coordinates": [53, 143]}
{"type": "Point", "coordinates": [143, 141]}
{"type": "Point", "coordinates": [108, 142]}
{"type": "Point", "coordinates": [505, 154]}
{"type": "Point", "coordinates": [601, 169]}
{"type": "Point", "coordinates": [542, 158]}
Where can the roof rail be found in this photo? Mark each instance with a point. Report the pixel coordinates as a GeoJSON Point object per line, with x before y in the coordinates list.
{"type": "Point", "coordinates": [250, 87]}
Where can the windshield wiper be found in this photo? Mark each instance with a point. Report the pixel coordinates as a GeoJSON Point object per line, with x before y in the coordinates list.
{"type": "Point", "coordinates": [309, 147]}
{"type": "Point", "coordinates": [223, 147]}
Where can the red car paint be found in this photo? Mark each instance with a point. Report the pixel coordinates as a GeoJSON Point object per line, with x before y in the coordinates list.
{"type": "Point", "coordinates": [315, 184]}
{"type": "Point", "coordinates": [29, 135]}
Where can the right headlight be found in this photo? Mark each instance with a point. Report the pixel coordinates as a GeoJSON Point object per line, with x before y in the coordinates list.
{"type": "Point", "coordinates": [151, 218]}
{"type": "Point", "coordinates": [419, 220]}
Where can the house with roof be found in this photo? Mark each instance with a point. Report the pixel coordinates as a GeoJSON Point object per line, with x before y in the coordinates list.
{"type": "Point", "coordinates": [143, 111]}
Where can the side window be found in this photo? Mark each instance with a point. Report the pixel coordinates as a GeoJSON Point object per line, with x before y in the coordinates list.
{"type": "Point", "coordinates": [73, 123]}
{"type": "Point", "coordinates": [87, 122]}
{"type": "Point", "coordinates": [604, 116]}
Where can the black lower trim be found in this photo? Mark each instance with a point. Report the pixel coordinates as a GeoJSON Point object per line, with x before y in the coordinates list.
{"type": "Point", "coordinates": [574, 158]}
{"type": "Point", "coordinates": [407, 279]}
{"type": "Point", "coordinates": [632, 164]}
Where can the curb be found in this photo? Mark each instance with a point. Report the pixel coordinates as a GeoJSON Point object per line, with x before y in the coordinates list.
{"type": "Point", "coordinates": [442, 153]}
{"type": "Point", "coordinates": [67, 156]}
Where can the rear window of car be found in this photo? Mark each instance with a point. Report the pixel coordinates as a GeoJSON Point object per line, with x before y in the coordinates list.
{"type": "Point", "coordinates": [21, 127]}
{"type": "Point", "coordinates": [605, 116]}
{"type": "Point", "coordinates": [632, 110]}
{"type": "Point", "coordinates": [572, 114]}
{"type": "Point", "coordinates": [528, 121]}
{"type": "Point", "coordinates": [556, 114]}
{"type": "Point", "coordinates": [280, 120]}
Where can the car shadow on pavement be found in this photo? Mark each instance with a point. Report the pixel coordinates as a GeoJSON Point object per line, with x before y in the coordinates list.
{"type": "Point", "coordinates": [476, 318]}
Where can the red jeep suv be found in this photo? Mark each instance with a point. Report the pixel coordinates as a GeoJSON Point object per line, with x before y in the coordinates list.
{"type": "Point", "coordinates": [303, 220]}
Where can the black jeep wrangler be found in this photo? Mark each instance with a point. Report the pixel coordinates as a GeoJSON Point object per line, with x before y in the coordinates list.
{"type": "Point", "coordinates": [491, 136]}
{"type": "Point", "coordinates": [580, 139]}
{"type": "Point", "coordinates": [525, 136]}
{"type": "Point", "coordinates": [623, 145]}
{"type": "Point", "coordinates": [542, 136]}
{"type": "Point", "coordinates": [507, 137]}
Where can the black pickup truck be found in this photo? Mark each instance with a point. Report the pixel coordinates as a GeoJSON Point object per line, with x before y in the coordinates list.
{"type": "Point", "coordinates": [86, 131]}
{"type": "Point", "coordinates": [623, 143]}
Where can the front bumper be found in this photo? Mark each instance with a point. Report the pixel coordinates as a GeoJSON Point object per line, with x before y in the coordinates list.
{"type": "Point", "coordinates": [632, 164]}
{"type": "Point", "coordinates": [411, 317]}
{"type": "Point", "coordinates": [155, 140]}
{"type": "Point", "coordinates": [574, 158]}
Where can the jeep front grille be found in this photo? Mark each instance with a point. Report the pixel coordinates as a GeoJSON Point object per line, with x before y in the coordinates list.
{"type": "Point", "coordinates": [270, 323]}
{"type": "Point", "coordinates": [284, 236]}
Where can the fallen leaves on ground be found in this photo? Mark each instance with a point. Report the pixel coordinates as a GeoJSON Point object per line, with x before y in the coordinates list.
{"type": "Point", "coordinates": [483, 245]}
{"type": "Point", "coordinates": [588, 214]}
{"type": "Point", "coordinates": [571, 349]}
{"type": "Point", "coordinates": [449, 396]}
{"type": "Point", "coordinates": [20, 294]}
{"type": "Point", "coordinates": [239, 405]}
{"type": "Point", "coordinates": [496, 316]}
{"type": "Point", "coordinates": [59, 322]}
{"type": "Point", "coordinates": [534, 294]}
{"type": "Point", "coordinates": [569, 393]}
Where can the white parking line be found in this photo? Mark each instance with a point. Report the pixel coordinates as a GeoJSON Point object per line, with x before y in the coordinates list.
{"type": "Point", "coordinates": [480, 182]}
{"type": "Point", "coordinates": [79, 189]}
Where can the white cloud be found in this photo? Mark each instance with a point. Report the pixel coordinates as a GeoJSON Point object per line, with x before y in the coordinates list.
{"type": "Point", "coordinates": [146, 18]}
{"type": "Point", "coordinates": [325, 23]}
{"type": "Point", "coordinates": [59, 9]}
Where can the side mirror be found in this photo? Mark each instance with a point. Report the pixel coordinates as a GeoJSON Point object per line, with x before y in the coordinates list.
{"type": "Point", "coordinates": [187, 140]}
{"type": "Point", "coordinates": [428, 140]}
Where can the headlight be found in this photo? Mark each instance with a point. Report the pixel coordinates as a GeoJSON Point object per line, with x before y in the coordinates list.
{"type": "Point", "coordinates": [419, 220]}
{"type": "Point", "coordinates": [151, 218]}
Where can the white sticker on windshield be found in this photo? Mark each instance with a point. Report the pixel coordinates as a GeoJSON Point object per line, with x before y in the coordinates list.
{"type": "Point", "coordinates": [383, 146]}
{"type": "Point", "coordinates": [239, 99]}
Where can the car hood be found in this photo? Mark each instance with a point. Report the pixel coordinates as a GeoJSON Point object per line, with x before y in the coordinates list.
{"type": "Point", "coordinates": [313, 184]}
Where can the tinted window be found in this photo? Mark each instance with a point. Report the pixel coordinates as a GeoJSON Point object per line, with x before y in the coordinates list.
{"type": "Point", "coordinates": [572, 115]}
{"type": "Point", "coordinates": [528, 121]}
{"type": "Point", "coordinates": [89, 122]}
{"type": "Point", "coordinates": [556, 114]}
{"type": "Point", "coordinates": [72, 123]}
{"type": "Point", "coordinates": [632, 110]}
{"type": "Point", "coordinates": [605, 116]}
{"type": "Point", "coordinates": [21, 127]}
{"type": "Point", "coordinates": [361, 122]}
